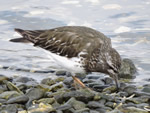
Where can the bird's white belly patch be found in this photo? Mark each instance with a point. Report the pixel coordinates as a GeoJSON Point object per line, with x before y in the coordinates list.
{"type": "Point", "coordinates": [69, 64]}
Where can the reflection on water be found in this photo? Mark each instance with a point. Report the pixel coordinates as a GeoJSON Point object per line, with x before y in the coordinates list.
{"type": "Point", "coordinates": [125, 22]}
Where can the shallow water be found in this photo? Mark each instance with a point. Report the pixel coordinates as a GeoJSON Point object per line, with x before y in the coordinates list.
{"type": "Point", "coordinates": [126, 22]}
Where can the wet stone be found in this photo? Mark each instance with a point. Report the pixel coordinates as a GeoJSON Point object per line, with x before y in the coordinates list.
{"type": "Point", "coordinates": [84, 110]}
{"type": "Point", "coordinates": [23, 79]}
{"type": "Point", "coordinates": [108, 80]}
{"type": "Point", "coordinates": [127, 69]}
{"type": "Point", "coordinates": [11, 108]}
{"type": "Point", "coordinates": [22, 99]}
{"type": "Point", "coordinates": [110, 104]}
{"type": "Point", "coordinates": [35, 93]}
{"type": "Point", "coordinates": [68, 80]}
{"type": "Point", "coordinates": [94, 104]}
{"type": "Point", "coordinates": [102, 101]}
{"type": "Point", "coordinates": [41, 108]}
{"type": "Point", "coordinates": [100, 88]}
{"type": "Point", "coordinates": [3, 88]}
{"type": "Point", "coordinates": [2, 78]}
{"type": "Point", "coordinates": [48, 81]}
{"type": "Point", "coordinates": [83, 95]}
{"type": "Point", "coordinates": [146, 89]}
{"type": "Point", "coordinates": [123, 94]}
{"type": "Point", "coordinates": [3, 100]}
{"type": "Point", "coordinates": [61, 73]}
{"type": "Point", "coordinates": [46, 100]}
{"type": "Point", "coordinates": [93, 111]}
{"type": "Point", "coordinates": [77, 105]}
{"type": "Point", "coordinates": [12, 87]}
{"type": "Point", "coordinates": [130, 89]}
{"type": "Point", "coordinates": [8, 94]}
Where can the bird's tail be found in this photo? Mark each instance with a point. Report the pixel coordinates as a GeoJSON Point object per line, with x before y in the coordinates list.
{"type": "Point", "coordinates": [27, 35]}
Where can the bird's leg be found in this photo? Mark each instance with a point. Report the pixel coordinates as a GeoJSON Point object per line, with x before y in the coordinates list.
{"type": "Point", "coordinates": [77, 81]}
{"type": "Point", "coordinates": [115, 77]}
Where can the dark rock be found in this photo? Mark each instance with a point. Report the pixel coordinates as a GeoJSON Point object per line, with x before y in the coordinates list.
{"type": "Point", "coordinates": [64, 107]}
{"type": "Point", "coordinates": [86, 80]}
{"type": "Point", "coordinates": [31, 84]}
{"type": "Point", "coordinates": [35, 93]}
{"type": "Point", "coordinates": [12, 87]}
{"type": "Point", "coordinates": [130, 89]}
{"type": "Point", "coordinates": [3, 78]}
{"type": "Point", "coordinates": [11, 108]}
{"type": "Point", "coordinates": [83, 95]}
{"type": "Point", "coordinates": [100, 87]}
{"type": "Point", "coordinates": [142, 105]}
{"type": "Point", "coordinates": [3, 88]}
{"type": "Point", "coordinates": [46, 100]}
{"type": "Point", "coordinates": [84, 110]}
{"type": "Point", "coordinates": [102, 101]}
{"type": "Point", "coordinates": [68, 80]}
{"type": "Point", "coordinates": [41, 108]}
{"type": "Point", "coordinates": [77, 105]}
{"type": "Point", "coordinates": [93, 111]}
{"type": "Point", "coordinates": [110, 104]}
{"type": "Point", "coordinates": [48, 81]}
{"type": "Point", "coordinates": [61, 73]}
{"type": "Point", "coordinates": [8, 94]}
{"type": "Point", "coordinates": [94, 105]}
{"type": "Point", "coordinates": [108, 80]}
{"type": "Point", "coordinates": [146, 89]}
{"type": "Point", "coordinates": [101, 110]}
{"type": "Point", "coordinates": [3, 100]}
{"type": "Point", "coordinates": [23, 79]}
{"type": "Point", "coordinates": [122, 86]}
{"type": "Point", "coordinates": [127, 69]}
{"type": "Point", "coordinates": [123, 94]}
{"type": "Point", "coordinates": [19, 99]}
{"type": "Point", "coordinates": [92, 76]}
{"type": "Point", "coordinates": [60, 79]}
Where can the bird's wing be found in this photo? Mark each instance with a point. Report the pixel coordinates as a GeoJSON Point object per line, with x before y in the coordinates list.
{"type": "Point", "coordinates": [65, 43]}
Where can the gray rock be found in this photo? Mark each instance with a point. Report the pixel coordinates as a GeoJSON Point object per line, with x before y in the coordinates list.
{"type": "Point", "coordinates": [132, 110]}
{"type": "Point", "coordinates": [93, 111]}
{"type": "Point", "coordinates": [94, 105]}
{"type": "Point", "coordinates": [7, 94]}
{"type": "Point", "coordinates": [3, 100]}
{"type": "Point", "coordinates": [130, 89]}
{"type": "Point", "coordinates": [123, 94]}
{"type": "Point", "coordinates": [84, 95]}
{"type": "Point", "coordinates": [100, 88]}
{"type": "Point", "coordinates": [146, 89]}
{"type": "Point", "coordinates": [3, 78]}
{"type": "Point", "coordinates": [19, 99]}
{"type": "Point", "coordinates": [35, 93]}
{"type": "Point", "coordinates": [48, 81]}
{"type": "Point", "coordinates": [102, 101]}
{"type": "Point", "coordinates": [77, 105]}
{"type": "Point", "coordinates": [11, 108]}
{"type": "Point", "coordinates": [12, 87]}
{"type": "Point", "coordinates": [41, 108]}
{"type": "Point", "coordinates": [23, 79]}
{"type": "Point", "coordinates": [127, 69]}
{"type": "Point", "coordinates": [68, 80]}
{"type": "Point", "coordinates": [3, 88]}
{"type": "Point", "coordinates": [108, 80]}
{"type": "Point", "coordinates": [110, 104]}
{"type": "Point", "coordinates": [46, 100]}
{"type": "Point", "coordinates": [61, 73]}
{"type": "Point", "coordinates": [142, 105]}
{"type": "Point", "coordinates": [84, 110]}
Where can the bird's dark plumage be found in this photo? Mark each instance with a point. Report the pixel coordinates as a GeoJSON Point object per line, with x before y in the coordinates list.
{"type": "Point", "coordinates": [93, 47]}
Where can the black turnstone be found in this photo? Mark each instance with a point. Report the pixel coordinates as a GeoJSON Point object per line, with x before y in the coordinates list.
{"type": "Point", "coordinates": [77, 49]}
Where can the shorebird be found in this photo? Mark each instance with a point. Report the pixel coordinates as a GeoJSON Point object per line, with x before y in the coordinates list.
{"type": "Point", "coordinates": [77, 49]}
